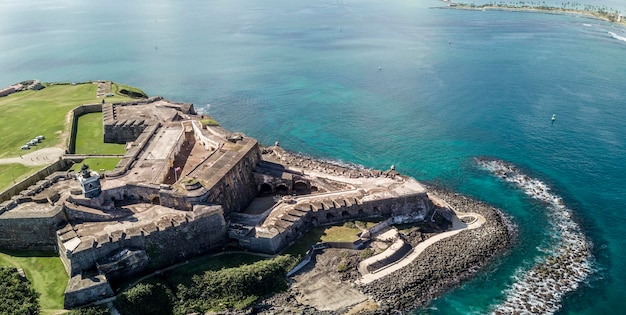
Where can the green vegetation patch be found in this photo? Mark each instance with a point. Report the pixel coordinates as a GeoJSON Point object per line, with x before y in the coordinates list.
{"type": "Point", "coordinates": [209, 122]}
{"type": "Point", "coordinates": [14, 172]}
{"type": "Point", "coordinates": [90, 310]}
{"type": "Point", "coordinates": [90, 137]}
{"type": "Point", "coordinates": [46, 273]}
{"type": "Point", "coordinates": [129, 91]}
{"type": "Point", "coordinates": [146, 299]}
{"type": "Point", "coordinates": [211, 283]}
{"type": "Point", "coordinates": [336, 233]}
{"type": "Point", "coordinates": [233, 287]}
{"type": "Point", "coordinates": [16, 296]}
{"type": "Point", "coordinates": [97, 164]}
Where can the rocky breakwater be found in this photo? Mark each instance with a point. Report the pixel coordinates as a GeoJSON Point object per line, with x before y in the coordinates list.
{"type": "Point", "coordinates": [446, 263]}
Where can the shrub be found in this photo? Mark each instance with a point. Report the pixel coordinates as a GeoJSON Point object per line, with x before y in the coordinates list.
{"type": "Point", "coordinates": [145, 298]}
{"type": "Point", "coordinates": [91, 310]}
{"type": "Point", "coordinates": [233, 287]}
{"type": "Point", "coordinates": [209, 122]}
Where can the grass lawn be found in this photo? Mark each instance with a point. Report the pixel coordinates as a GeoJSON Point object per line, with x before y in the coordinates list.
{"type": "Point", "coordinates": [14, 171]}
{"type": "Point", "coordinates": [336, 233]}
{"type": "Point", "coordinates": [46, 273]}
{"type": "Point", "coordinates": [116, 88]}
{"type": "Point", "coordinates": [97, 164]}
{"type": "Point", "coordinates": [28, 114]}
{"type": "Point", "coordinates": [90, 137]}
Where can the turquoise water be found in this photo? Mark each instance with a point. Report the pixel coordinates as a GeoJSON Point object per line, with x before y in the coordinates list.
{"type": "Point", "coordinates": [375, 83]}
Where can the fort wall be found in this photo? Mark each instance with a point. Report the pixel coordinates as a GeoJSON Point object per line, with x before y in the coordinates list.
{"type": "Point", "coordinates": [46, 173]}
{"type": "Point", "coordinates": [133, 152]}
{"type": "Point", "coordinates": [272, 239]}
{"type": "Point", "coordinates": [165, 241]}
{"type": "Point", "coordinates": [125, 130]}
{"type": "Point", "coordinates": [84, 289]}
{"type": "Point", "coordinates": [236, 188]}
{"type": "Point", "coordinates": [31, 233]}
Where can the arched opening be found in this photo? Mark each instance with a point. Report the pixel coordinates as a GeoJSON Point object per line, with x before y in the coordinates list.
{"type": "Point", "coordinates": [345, 214]}
{"type": "Point", "coordinates": [265, 189]}
{"type": "Point", "coordinates": [314, 189]}
{"type": "Point", "coordinates": [282, 190]}
{"type": "Point", "coordinates": [329, 216]}
{"type": "Point", "coordinates": [155, 200]}
{"type": "Point", "coordinates": [301, 188]}
{"type": "Point", "coordinates": [361, 211]}
{"type": "Point", "coordinates": [376, 211]}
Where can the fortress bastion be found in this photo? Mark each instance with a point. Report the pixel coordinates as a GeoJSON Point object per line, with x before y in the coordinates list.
{"type": "Point", "coordinates": [186, 187]}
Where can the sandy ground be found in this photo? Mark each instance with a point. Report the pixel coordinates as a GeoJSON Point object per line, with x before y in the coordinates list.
{"type": "Point", "coordinates": [322, 287]}
{"type": "Point", "coordinates": [43, 156]}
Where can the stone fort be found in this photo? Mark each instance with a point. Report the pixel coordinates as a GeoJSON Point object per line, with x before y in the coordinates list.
{"type": "Point", "coordinates": [185, 187]}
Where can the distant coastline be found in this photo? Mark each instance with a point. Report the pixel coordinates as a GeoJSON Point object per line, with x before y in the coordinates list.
{"type": "Point", "coordinates": [600, 13]}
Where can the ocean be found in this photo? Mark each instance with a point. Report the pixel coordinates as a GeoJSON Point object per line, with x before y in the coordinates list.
{"type": "Point", "coordinates": [434, 92]}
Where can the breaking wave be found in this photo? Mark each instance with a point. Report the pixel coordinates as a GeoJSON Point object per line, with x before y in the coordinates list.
{"type": "Point", "coordinates": [622, 38]}
{"type": "Point", "coordinates": [566, 261]}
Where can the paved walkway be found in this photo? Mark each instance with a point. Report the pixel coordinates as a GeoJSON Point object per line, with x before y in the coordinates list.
{"type": "Point", "coordinates": [457, 227]}
{"type": "Point", "coordinates": [38, 157]}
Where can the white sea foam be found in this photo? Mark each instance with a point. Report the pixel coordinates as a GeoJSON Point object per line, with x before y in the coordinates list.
{"type": "Point", "coordinates": [567, 259]}
{"type": "Point", "coordinates": [622, 38]}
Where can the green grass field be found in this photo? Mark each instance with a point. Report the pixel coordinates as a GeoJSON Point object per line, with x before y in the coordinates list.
{"type": "Point", "coordinates": [45, 271]}
{"type": "Point", "coordinates": [90, 137]}
{"type": "Point", "coordinates": [28, 114]}
{"type": "Point", "coordinates": [117, 87]}
{"type": "Point", "coordinates": [98, 164]}
{"type": "Point", "coordinates": [335, 233]}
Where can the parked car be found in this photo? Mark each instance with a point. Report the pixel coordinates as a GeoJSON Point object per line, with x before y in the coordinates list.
{"type": "Point", "coordinates": [25, 147]}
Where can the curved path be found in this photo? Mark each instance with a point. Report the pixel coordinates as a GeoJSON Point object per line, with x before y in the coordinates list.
{"type": "Point", "coordinates": [457, 227]}
{"type": "Point", "coordinates": [38, 157]}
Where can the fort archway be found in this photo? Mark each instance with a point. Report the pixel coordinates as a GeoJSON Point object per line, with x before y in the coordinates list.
{"type": "Point", "coordinates": [265, 189]}
{"type": "Point", "coordinates": [282, 190]}
{"type": "Point", "coordinates": [155, 200]}
{"type": "Point", "coordinates": [301, 188]}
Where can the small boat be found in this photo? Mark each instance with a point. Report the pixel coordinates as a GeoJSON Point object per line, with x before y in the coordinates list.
{"type": "Point", "coordinates": [553, 117]}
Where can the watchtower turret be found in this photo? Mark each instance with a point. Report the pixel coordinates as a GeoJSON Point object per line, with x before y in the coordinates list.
{"type": "Point", "coordinates": [89, 182]}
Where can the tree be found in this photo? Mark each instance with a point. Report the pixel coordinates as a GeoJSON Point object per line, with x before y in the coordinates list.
{"type": "Point", "coordinates": [145, 298]}
{"type": "Point", "coordinates": [16, 296]}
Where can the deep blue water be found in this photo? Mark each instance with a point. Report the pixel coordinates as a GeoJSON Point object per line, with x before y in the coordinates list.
{"type": "Point", "coordinates": [378, 83]}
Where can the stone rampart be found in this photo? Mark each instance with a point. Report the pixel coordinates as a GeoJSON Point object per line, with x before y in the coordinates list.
{"type": "Point", "coordinates": [30, 232]}
{"type": "Point", "coordinates": [330, 210]}
{"type": "Point", "coordinates": [124, 130]}
{"type": "Point", "coordinates": [133, 152]}
{"type": "Point", "coordinates": [82, 290]}
{"type": "Point", "coordinates": [26, 85]}
{"type": "Point", "coordinates": [46, 173]}
{"type": "Point", "coordinates": [166, 241]}
{"type": "Point", "coordinates": [208, 143]}
{"type": "Point", "coordinates": [237, 188]}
